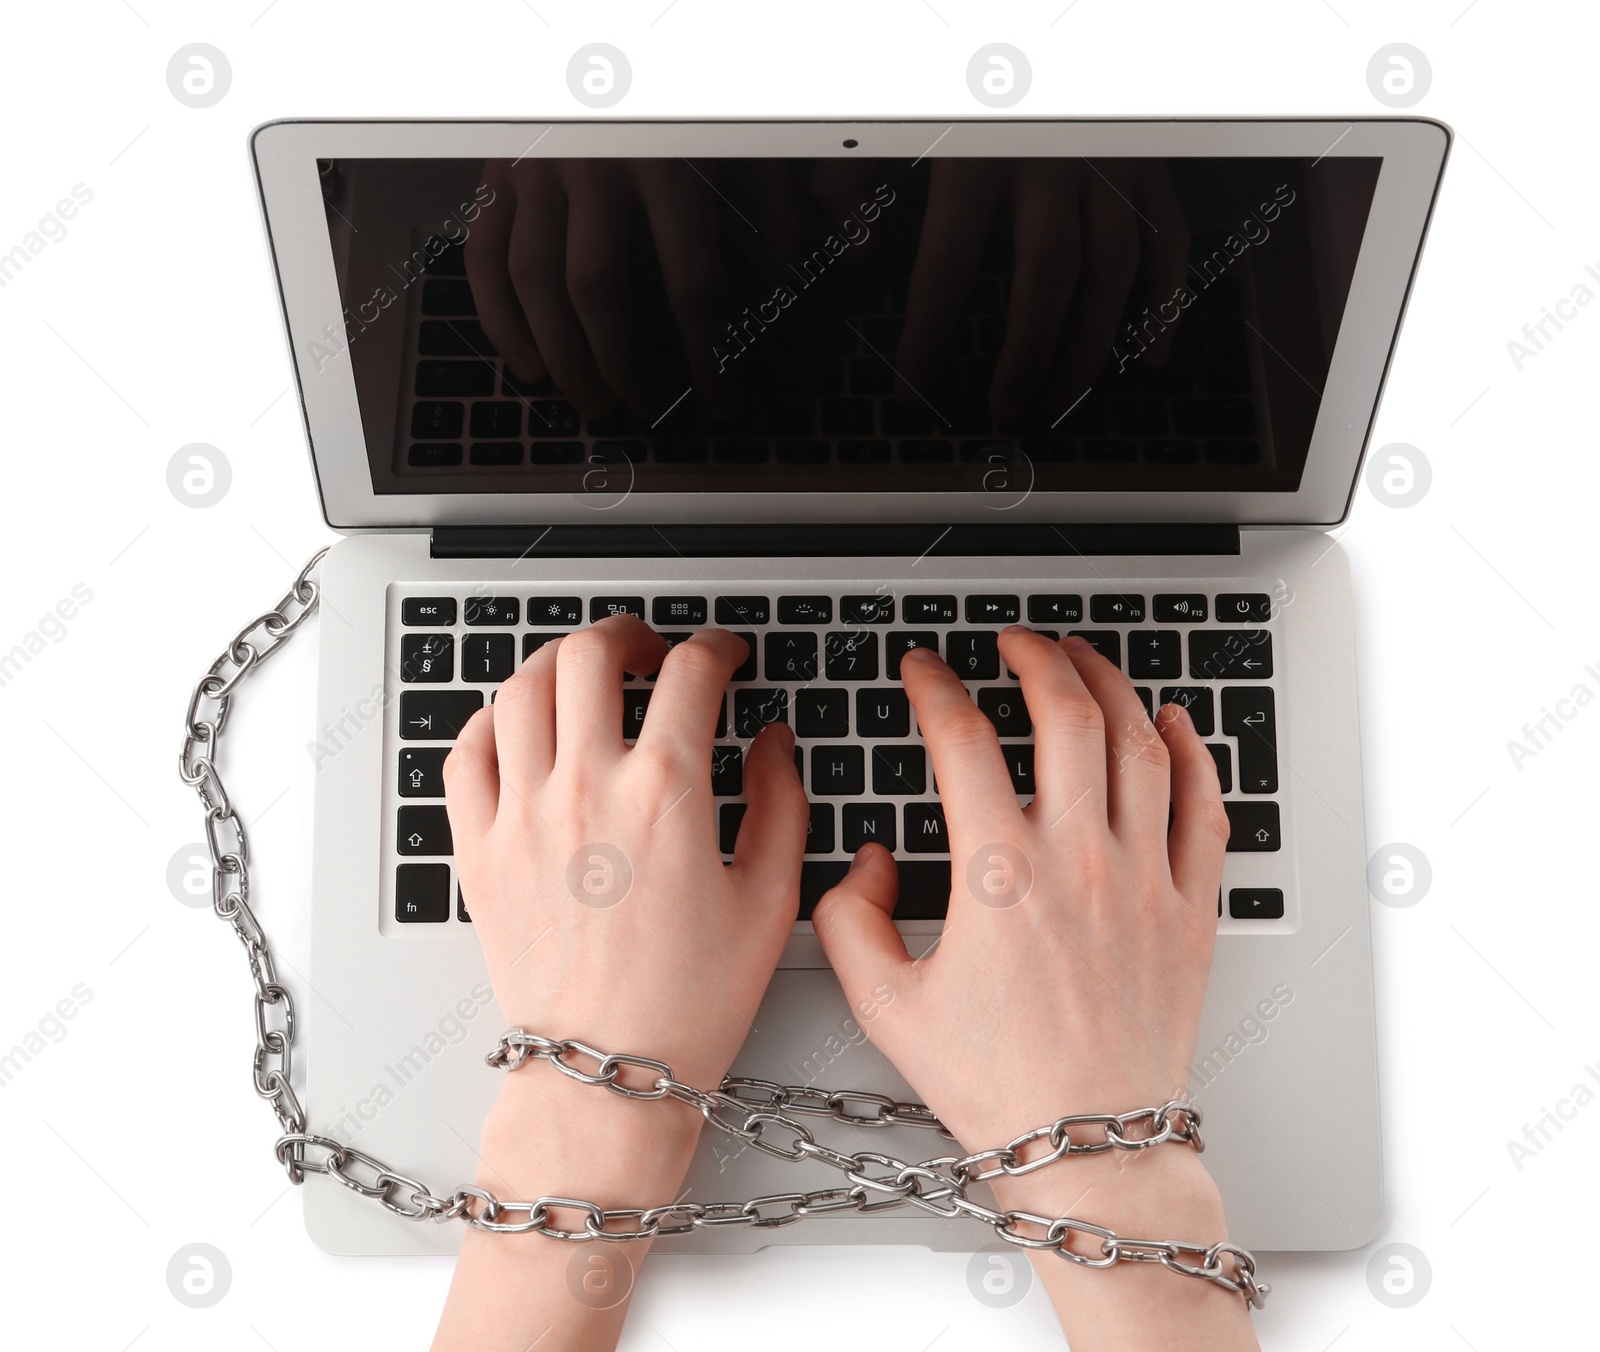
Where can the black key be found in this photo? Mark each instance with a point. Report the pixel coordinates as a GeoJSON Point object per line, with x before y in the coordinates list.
{"type": "Point", "coordinates": [1019, 765]}
{"type": "Point", "coordinates": [1181, 608]}
{"type": "Point", "coordinates": [487, 657]}
{"type": "Point", "coordinates": [453, 338]}
{"type": "Point", "coordinates": [743, 610]}
{"type": "Point", "coordinates": [1114, 609]}
{"type": "Point", "coordinates": [850, 656]}
{"type": "Point", "coordinates": [1143, 692]}
{"type": "Point", "coordinates": [993, 609]}
{"type": "Point", "coordinates": [1197, 699]}
{"type": "Point", "coordinates": [678, 610]}
{"type": "Point", "coordinates": [847, 417]}
{"type": "Point", "coordinates": [924, 886]}
{"type": "Point", "coordinates": [791, 656]}
{"type": "Point", "coordinates": [422, 893]}
{"type": "Point", "coordinates": [422, 771]}
{"type": "Point", "coordinates": [819, 830]}
{"type": "Point", "coordinates": [727, 771]}
{"type": "Point", "coordinates": [1155, 654]}
{"type": "Point", "coordinates": [437, 715]}
{"type": "Point", "coordinates": [1250, 714]}
{"type": "Point", "coordinates": [634, 705]}
{"type": "Point", "coordinates": [1006, 710]}
{"type": "Point", "coordinates": [729, 815]}
{"type": "Point", "coordinates": [901, 641]}
{"type": "Point", "coordinates": [875, 609]}
{"type": "Point", "coordinates": [491, 610]}
{"type": "Point", "coordinates": [428, 610]}
{"type": "Point", "coordinates": [1255, 827]}
{"type": "Point", "coordinates": [899, 770]}
{"type": "Point", "coordinates": [838, 771]}
{"type": "Point", "coordinates": [531, 643]}
{"type": "Point", "coordinates": [866, 823]}
{"type": "Point", "coordinates": [556, 453]}
{"type": "Point", "coordinates": [1222, 753]}
{"type": "Point", "coordinates": [821, 713]}
{"type": "Point", "coordinates": [882, 712]}
{"type": "Point", "coordinates": [929, 609]}
{"type": "Point", "coordinates": [672, 641]}
{"type": "Point", "coordinates": [423, 830]}
{"type": "Point", "coordinates": [498, 419]}
{"type": "Point", "coordinates": [454, 379]}
{"type": "Point", "coordinates": [803, 453]}
{"type": "Point", "coordinates": [495, 453]}
{"type": "Point", "coordinates": [552, 418]}
{"type": "Point", "coordinates": [805, 609]}
{"type": "Point", "coordinates": [926, 832]}
{"type": "Point", "coordinates": [1255, 903]}
{"type": "Point", "coordinates": [603, 607]}
{"type": "Point", "coordinates": [754, 708]}
{"type": "Point", "coordinates": [864, 453]}
{"type": "Point", "coordinates": [1055, 608]}
{"type": "Point", "coordinates": [434, 454]}
{"type": "Point", "coordinates": [1230, 654]}
{"type": "Point", "coordinates": [1244, 608]}
{"type": "Point", "coordinates": [563, 610]}
{"type": "Point", "coordinates": [432, 420]}
{"type": "Point", "coordinates": [973, 654]}
{"type": "Point", "coordinates": [746, 670]}
{"type": "Point", "coordinates": [427, 658]}
{"type": "Point", "coordinates": [1106, 642]}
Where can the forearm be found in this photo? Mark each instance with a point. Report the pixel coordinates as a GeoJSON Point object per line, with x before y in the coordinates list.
{"type": "Point", "coordinates": [551, 1136]}
{"type": "Point", "coordinates": [1163, 1193]}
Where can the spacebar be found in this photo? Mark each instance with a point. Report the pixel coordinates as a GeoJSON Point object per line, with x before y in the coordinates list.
{"type": "Point", "coordinates": [924, 886]}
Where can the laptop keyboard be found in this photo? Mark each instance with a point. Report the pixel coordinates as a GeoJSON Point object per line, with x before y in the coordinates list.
{"type": "Point", "coordinates": [828, 663]}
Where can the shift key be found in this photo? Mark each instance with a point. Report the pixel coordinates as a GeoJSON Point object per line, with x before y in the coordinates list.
{"type": "Point", "coordinates": [436, 715]}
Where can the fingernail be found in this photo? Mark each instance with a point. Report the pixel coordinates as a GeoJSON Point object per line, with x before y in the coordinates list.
{"type": "Point", "coordinates": [1078, 644]}
{"type": "Point", "coordinates": [785, 735]}
{"type": "Point", "coordinates": [918, 654]}
{"type": "Point", "coordinates": [1181, 715]}
{"type": "Point", "coordinates": [859, 860]}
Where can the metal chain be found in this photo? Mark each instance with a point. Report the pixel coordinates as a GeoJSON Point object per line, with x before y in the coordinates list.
{"type": "Point", "coordinates": [750, 1109]}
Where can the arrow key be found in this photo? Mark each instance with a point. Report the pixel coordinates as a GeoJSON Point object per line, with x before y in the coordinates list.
{"type": "Point", "coordinates": [423, 830]}
{"type": "Point", "coordinates": [422, 771]}
{"type": "Point", "coordinates": [1255, 828]}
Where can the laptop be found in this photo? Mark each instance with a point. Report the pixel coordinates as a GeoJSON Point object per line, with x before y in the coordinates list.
{"type": "Point", "coordinates": [846, 388]}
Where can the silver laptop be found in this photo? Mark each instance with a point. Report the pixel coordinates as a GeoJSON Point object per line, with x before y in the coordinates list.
{"type": "Point", "coordinates": [846, 388]}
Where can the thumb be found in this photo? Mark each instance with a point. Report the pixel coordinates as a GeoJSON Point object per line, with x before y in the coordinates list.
{"type": "Point", "coordinates": [853, 922]}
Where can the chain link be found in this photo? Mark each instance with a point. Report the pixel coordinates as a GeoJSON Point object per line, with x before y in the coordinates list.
{"type": "Point", "coordinates": [756, 1111]}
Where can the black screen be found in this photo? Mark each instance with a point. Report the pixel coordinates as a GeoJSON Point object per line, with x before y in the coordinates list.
{"type": "Point", "coordinates": [840, 325]}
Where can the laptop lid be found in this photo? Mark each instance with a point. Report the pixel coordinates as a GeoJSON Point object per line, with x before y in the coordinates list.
{"type": "Point", "coordinates": [515, 323]}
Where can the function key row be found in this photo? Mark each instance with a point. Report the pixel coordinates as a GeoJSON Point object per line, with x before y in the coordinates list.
{"type": "Point", "coordinates": [876, 608]}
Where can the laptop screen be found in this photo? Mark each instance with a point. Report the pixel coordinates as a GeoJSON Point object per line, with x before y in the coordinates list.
{"type": "Point", "coordinates": [841, 325]}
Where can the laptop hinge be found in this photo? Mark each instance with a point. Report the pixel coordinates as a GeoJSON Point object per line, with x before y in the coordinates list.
{"type": "Point", "coordinates": [830, 539]}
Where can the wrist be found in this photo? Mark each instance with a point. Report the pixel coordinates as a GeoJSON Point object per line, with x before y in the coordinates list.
{"type": "Point", "coordinates": [550, 1135]}
{"type": "Point", "coordinates": [1164, 1192]}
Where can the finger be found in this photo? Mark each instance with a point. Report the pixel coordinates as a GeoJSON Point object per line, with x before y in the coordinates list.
{"type": "Point", "coordinates": [855, 925]}
{"type": "Point", "coordinates": [589, 667]}
{"type": "Point", "coordinates": [961, 201]}
{"type": "Point", "coordinates": [1110, 262]}
{"type": "Point", "coordinates": [488, 250]}
{"type": "Point", "coordinates": [1138, 787]}
{"type": "Point", "coordinates": [772, 836]}
{"type": "Point", "coordinates": [1069, 735]}
{"type": "Point", "coordinates": [1046, 249]}
{"type": "Point", "coordinates": [1198, 841]}
{"type": "Point", "coordinates": [681, 209]}
{"type": "Point", "coordinates": [538, 261]}
{"type": "Point", "coordinates": [472, 777]}
{"type": "Point", "coordinates": [599, 211]}
{"type": "Point", "coordinates": [525, 723]}
{"type": "Point", "coordinates": [979, 802]}
{"type": "Point", "coordinates": [1164, 245]}
{"type": "Point", "coordinates": [686, 707]}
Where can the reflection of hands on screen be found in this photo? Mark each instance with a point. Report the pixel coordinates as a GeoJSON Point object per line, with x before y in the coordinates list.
{"type": "Point", "coordinates": [548, 262]}
{"type": "Point", "coordinates": [1082, 230]}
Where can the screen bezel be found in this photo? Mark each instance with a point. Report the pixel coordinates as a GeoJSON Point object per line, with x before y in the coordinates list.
{"type": "Point", "coordinates": [285, 155]}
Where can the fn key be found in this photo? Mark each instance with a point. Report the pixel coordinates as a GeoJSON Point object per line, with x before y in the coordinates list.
{"type": "Point", "coordinates": [422, 893]}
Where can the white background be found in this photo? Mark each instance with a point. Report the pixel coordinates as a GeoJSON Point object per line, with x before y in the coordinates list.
{"type": "Point", "coordinates": [154, 324]}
